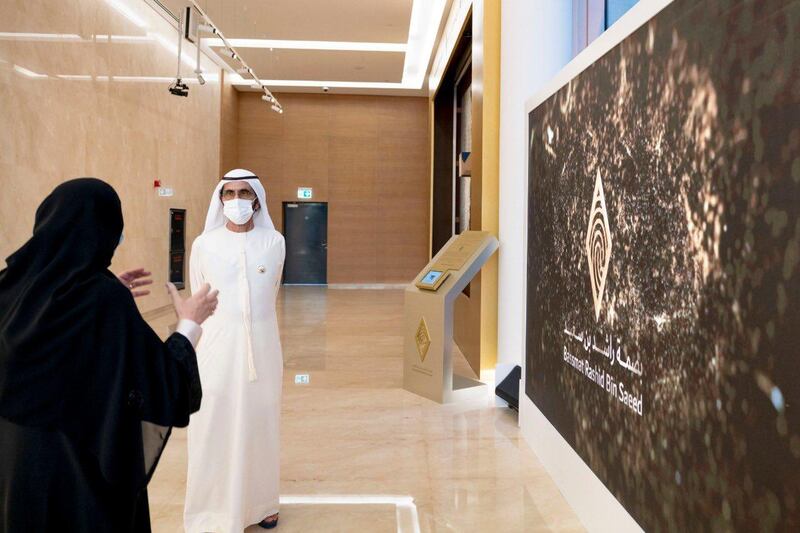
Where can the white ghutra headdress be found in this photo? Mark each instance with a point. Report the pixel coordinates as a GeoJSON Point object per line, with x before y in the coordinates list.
{"type": "Point", "coordinates": [261, 218]}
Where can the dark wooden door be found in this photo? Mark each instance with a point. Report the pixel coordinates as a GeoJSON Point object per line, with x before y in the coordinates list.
{"type": "Point", "coordinates": [305, 227]}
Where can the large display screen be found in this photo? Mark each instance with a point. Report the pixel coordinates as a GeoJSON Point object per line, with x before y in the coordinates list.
{"type": "Point", "coordinates": [663, 330]}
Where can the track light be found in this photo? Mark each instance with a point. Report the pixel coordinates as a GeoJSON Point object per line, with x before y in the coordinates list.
{"type": "Point", "coordinates": [205, 24]}
{"type": "Point", "coordinates": [179, 88]}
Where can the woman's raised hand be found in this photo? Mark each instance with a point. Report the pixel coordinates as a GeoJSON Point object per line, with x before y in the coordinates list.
{"type": "Point", "coordinates": [197, 307]}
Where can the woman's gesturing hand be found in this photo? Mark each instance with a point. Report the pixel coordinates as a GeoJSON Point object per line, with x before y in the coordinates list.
{"type": "Point", "coordinates": [133, 279]}
{"type": "Point", "coordinates": [197, 307]}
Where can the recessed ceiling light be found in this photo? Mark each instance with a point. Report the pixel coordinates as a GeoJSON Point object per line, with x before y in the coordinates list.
{"type": "Point", "coordinates": [309, 45]}
{"type": "Point", "coordinates": [422, 30]}
{"type": "Point", "coordinates": [329, 84]}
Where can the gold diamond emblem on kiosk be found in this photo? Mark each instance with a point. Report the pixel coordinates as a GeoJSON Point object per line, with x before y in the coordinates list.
{"type": "Point", "coordinates": [423, 339]}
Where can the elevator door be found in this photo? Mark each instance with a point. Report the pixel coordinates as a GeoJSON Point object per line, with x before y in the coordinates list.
{"type": "Point", "coordinates": [305, 227]}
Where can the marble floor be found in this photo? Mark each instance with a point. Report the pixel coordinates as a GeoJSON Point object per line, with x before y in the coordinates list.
{"type": "Point", "coordinates": [360, 454]}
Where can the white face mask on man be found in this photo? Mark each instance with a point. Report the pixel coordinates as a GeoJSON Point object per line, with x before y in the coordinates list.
{"type": "Point", "coordinates": [238, 211]}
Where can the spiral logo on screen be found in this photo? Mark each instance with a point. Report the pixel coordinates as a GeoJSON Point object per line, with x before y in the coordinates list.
{"type": "Point", "coordinates": [598, 245]}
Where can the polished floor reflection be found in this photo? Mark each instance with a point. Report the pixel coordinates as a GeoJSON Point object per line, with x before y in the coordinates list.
{"type": "Point", "coordinates": [360, 454]}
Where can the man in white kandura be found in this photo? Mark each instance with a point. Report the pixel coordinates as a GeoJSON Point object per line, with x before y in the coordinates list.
{"type": "Point", "coordinates": [234, 440]}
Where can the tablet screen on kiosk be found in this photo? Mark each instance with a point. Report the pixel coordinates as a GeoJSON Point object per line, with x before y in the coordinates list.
{"type": "Point", "coordinates": [432, 279]}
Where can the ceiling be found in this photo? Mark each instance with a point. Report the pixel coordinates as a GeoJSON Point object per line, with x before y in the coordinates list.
{"type": "Point", "coordinates": [349, 46]}
{"type": "Point", "coordinates": [330, 65]}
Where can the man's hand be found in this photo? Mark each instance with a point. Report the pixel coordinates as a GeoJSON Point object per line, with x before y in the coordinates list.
{"type": "Point", "coordinates": [133, 279]}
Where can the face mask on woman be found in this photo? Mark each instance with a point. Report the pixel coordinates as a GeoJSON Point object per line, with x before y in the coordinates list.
{"type": "Point", "coordinates": [238, 211]}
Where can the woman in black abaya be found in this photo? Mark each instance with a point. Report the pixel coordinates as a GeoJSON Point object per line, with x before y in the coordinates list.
{"type": "Point", "coordinates": [88, 392]}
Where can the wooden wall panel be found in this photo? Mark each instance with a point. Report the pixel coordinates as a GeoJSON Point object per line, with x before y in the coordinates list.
{"type": "Point", "coordinates": [352, 209]}
{"type": "Point", "coordinates": [367, 157]}
{"type": "Point", "coordinates": [475, 326]}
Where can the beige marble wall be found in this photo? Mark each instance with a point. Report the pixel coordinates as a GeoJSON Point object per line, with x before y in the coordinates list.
{"type": "Point", "coordinates": [228, 127]}
{"type": "Point", "coordinates": [76, 102]}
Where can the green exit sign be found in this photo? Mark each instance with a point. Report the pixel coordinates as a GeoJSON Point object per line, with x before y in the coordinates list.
{"type": "Point", "coordinates": [305, 193]}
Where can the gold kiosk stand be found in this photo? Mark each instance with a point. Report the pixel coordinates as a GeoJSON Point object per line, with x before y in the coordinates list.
{"type": "Point", "coordinates": [428, 328]}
